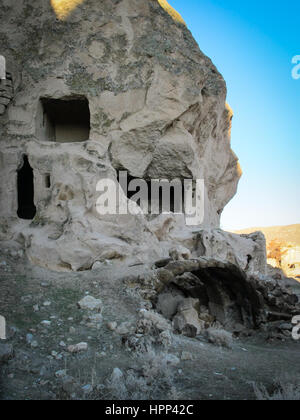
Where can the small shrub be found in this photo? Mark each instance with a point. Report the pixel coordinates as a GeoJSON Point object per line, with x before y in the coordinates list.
{"type": "Point", "coordinates": [219, 337]}
{"type": "Point", "coordinates": [155, 380]}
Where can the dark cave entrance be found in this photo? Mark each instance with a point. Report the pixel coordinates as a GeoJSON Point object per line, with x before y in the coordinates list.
{"type": "Point", "coordinates": [64, 120]}
{"type": "Point", "coordinates": [26, 207]}
{"type": "Point", "coordinates": [224, 294]}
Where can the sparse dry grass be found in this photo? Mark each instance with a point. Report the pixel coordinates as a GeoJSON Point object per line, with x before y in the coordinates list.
{"type": "Point", "coordinates": [282, 392]}
{"type": "Point", "coordinates": [154, 380]}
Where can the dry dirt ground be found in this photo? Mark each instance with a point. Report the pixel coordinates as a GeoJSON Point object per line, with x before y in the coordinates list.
{"type": "Point", "coordinates": [213, 372]}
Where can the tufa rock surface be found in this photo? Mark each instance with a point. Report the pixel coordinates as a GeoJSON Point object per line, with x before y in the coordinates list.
{"type": "Point", "coordinates": [94, 89]}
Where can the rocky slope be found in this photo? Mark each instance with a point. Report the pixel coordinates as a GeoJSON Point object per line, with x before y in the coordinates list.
{"type": "Point", "coordinates": [115, 334]}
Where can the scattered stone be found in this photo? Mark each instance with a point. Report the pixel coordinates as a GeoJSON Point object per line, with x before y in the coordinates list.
{"type": "Point", "coordinates": [29, 338]}
{"type": "Point", "coordinates": [152, 320]}
{"type": "Point", "coordinates": [116, 375]}
{"type": "Point", "coordinates": [47, 303]}
{"type": "Point", "coordinates": [180, 253]}
{"type": "Point", "coordinates": [12, 331]}
{"type": "Point", "coordinates": [172, 360]}
{"type": "Point", "coordinates": [97, 265]}
{"type": "Point", "coordinates": [95, 321]}
{"type": "Point", "coordinates": [87, 389]}
{"type": "Point", "coordinates": [46, 323]}
{"type": "Point", "coordinates": [69, 385]}
{"type": "Point", "coordinates": [186, 355]}
{"type": "Point", "coordinates": [168, 303]}
{"type": "Point", "coordinates": [62, 344]}
{"type": "Point", "coordinates": [36, 308]}
{"type": "Point", "coordinates": [187, 315]}
{"type": "Point", "coordinates": [165, 339]}
{"type": "Point", "coordinates": [44, 383]}
{"type": "Point", "coordinates": [78, 348]}
{"type": "Point", "coordinates": [43, 371]}
{"type": "Point", "coordinates": [189, 331]}
{"type": "Point", "coordinates": [124, 328]}
{"type": "Point", "coordinates": [112, 326]}
{"type": "Point", "coordinates": [6, 352]}
{"type": "Point", "coordinates": [61, 373]}
{"type": "Point", "coordinates": [285, 327]}
{"type": "Point", "coordinates": [90, 303]}
{"type": "Point", "coordinates": [26, 299]}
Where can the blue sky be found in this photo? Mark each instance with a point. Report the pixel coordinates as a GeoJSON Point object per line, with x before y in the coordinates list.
{"type": "Point", "coordinates": [252, 43]}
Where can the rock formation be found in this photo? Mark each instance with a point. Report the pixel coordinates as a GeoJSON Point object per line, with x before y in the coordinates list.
{"type": "Point", "coordinates": [103, 87]}
{"type": "Point", "coordinates": [94, 88]}
{"type": "Point", "coordinates": [205, 292]}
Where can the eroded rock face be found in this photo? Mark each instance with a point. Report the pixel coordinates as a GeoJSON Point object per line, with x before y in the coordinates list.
{"type": "Point", "coordinates": [6, 93]}
{"type": "Point", "coordinates": [156, 108]}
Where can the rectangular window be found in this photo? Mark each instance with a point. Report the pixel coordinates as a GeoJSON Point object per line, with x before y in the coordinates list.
{"type": "Point", "coordinates": [63, 120]}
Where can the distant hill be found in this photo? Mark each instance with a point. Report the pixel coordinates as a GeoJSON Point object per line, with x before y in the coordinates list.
{"type": "Point", "coordinates": [283, 247]}
{"type": "Point", "coordinates": [284, 234]}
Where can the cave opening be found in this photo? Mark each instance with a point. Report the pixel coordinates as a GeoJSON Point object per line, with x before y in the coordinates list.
{"type": "Point", "coordinates": [210, 295]}
{"type": "Point", "coordinates": [48, 181]}
{"type": "Point", "coordinates": [63, 120]}
{"type": "Point", "coordinates": [25, 181]}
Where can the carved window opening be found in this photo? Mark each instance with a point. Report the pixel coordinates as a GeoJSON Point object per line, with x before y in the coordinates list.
{"type": "Point", "coordinates": [47, 181]}
{"type": "Point", "coordinates": [63, 120]}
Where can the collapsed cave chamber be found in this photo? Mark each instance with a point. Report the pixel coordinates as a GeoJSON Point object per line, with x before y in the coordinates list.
{"type": "Point", "coordinates": [198, 294]}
